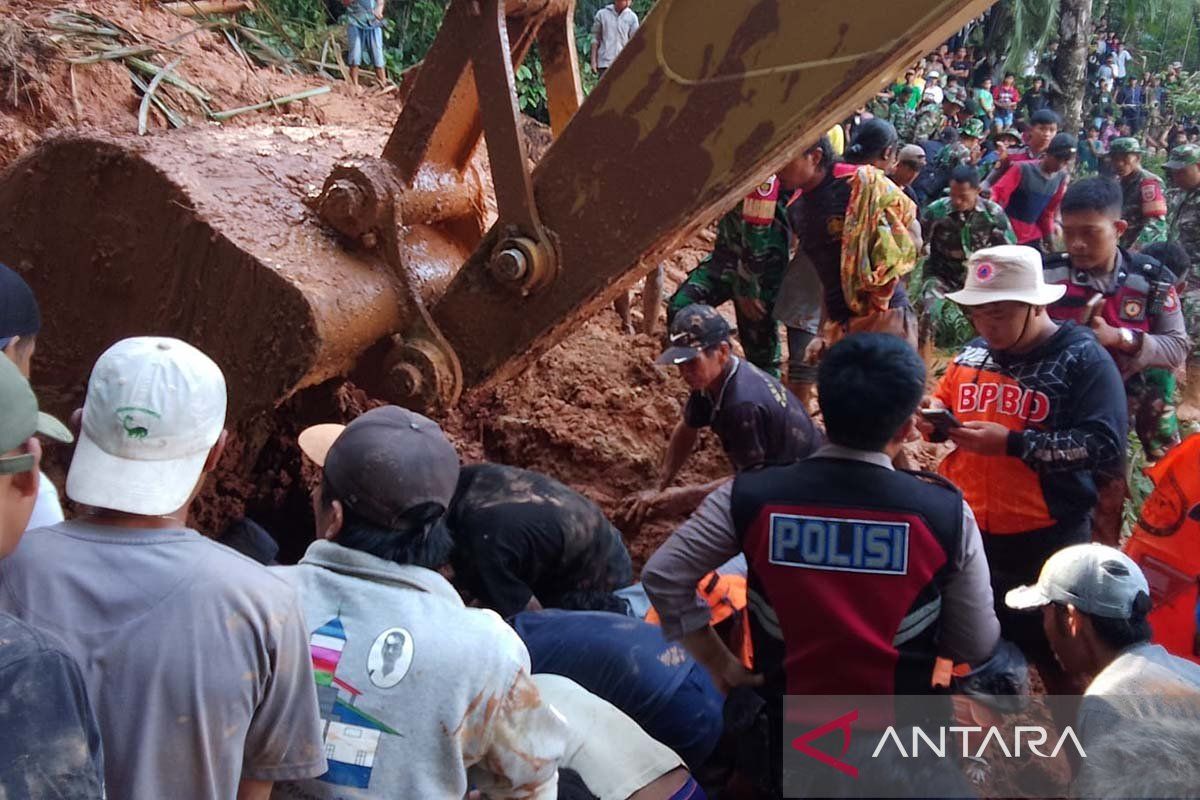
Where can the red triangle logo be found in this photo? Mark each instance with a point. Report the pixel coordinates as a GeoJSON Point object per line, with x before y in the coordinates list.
{"type": "Point", "coordinates": [842, 723]}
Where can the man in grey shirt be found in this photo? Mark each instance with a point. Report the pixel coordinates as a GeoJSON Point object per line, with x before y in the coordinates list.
{"type": "Point", "coordinates": [614, 26]}
{"type": "Point", "coordinates": [195, 657]}
{"type": "Point", "coordinates": [1094, 600]}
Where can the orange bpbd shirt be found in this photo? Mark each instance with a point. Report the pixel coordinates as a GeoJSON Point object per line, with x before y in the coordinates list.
{"type": "Point", "coordinates": [975, 393]}
{"type": "Point", "coordinates": [1166, 545]}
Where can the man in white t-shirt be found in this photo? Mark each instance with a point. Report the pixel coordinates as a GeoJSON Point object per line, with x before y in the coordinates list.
{"type": "Point", "coordinates": [933, 91]}
{"type": "Point", "coordinates": [614, 26]}
{"type": "Point", "coordinates": [1094, 602]}
{"type": "Point", "coordinates": [1121, 63]}
{"type": "Point", "coordinates": [20, 322]}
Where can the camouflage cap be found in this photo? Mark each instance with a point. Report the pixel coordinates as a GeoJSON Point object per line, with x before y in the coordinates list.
{"type": "Point", "coordinates": [1009, 133]}
{"type": "Point", "coordinates": [973, 128]}
{"type": "Point", "coordinates": [1183, 156]}
{"type": "Point", "coordinates": [1125, 145]}
{"type": "Point", "coordinates": [695, 328]}
{"type": "Point", "coordinates": [956, 95]}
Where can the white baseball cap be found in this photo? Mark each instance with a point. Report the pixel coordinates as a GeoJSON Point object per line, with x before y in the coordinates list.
{"type": "Point", "coordinates": [1095, 578]}
{"type": "Point", "coordinates": [155, 407]}
{"type": "Point", "coordinates": [1006, 272]}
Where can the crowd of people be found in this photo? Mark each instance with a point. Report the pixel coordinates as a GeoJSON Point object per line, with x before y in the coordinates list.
{"type": "Point", "coordinates": [476, 631]}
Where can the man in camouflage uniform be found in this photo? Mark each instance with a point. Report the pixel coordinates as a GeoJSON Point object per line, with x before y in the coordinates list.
{"type": "Point", "coordinates": [746, 265]}
{"type": "Point", "coordinates": [957, 226]}
{"type": "Point", "coordinates": [902, 115]}
{"type": "Point", "coordinates": [964, 151]}
{"type": "Point", "coordinates": [1144, 205]}
{"type": "Point", "coordinates": [1183, 226]}
{"type": "Point", "coordinates": [929, 121]}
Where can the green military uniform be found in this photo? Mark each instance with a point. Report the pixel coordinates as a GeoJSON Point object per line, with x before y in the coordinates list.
{"type": "Point", "coordinates": [929, 121]}
{"type": "Point", "coordinates": [1144, 202]}
{"type": "Point", "coordinates": [1183, 226]}
{"type": "Point", "coordinates": [959, 153]}
{"type": "Point", "coordinates": [879, 106]}
{"type": "Point", "coordinates": [903, 119]}
{"type": "Point", "coordinates": [954, 235]}
{"type": "Point", "coordinates": [747, 261]}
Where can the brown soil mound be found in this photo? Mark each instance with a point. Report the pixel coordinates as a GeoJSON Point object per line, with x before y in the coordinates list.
{"type": "Point", "coordinates": [41, 92]}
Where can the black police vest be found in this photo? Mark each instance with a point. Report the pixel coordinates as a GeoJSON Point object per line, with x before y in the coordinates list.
{"type": "Point", "coordinates": [846, 563]}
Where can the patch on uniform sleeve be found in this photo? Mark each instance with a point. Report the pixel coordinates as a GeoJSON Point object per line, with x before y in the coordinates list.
{"type": "Point", "coordinates": [1132, 308]}
{"type": "Point", "coordinates": [1171, 303]}
{"type": "Point", "coordinates": [839, 545]}
{"type": "Point", "coordinates": [1154, 204]}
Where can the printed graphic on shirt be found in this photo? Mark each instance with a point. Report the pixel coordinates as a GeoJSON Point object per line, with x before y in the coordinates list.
{"type": "Point", "coordinates": [839, 545]}
{"type": "Point", "coordinates": [351, 736]}
{"type": "Point", "coordinates": [390, 657]}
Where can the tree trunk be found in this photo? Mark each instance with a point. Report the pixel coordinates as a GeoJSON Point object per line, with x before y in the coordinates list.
{"type": "Point", "coordinates": [1069, 75]}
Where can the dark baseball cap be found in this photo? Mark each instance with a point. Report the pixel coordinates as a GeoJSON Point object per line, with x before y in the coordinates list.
{"type": "Point", "coordinates": [385, 462]}
{"type": "Point", "coordinates": [1063, 145]}
{"type": "Point", "coordinates": [695, 328]}
{"type": "Point", "coordinates": [19, 314]}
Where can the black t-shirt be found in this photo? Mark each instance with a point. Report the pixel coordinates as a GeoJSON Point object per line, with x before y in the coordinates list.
{"type": "Point", "coordinates": [818, 219]}
{"type": "Point", "coordinates": [520, 534]}
{"type": "Point", "coordinates": [50, 742]}
{"type": "Point", "coordinates": [758, 421]}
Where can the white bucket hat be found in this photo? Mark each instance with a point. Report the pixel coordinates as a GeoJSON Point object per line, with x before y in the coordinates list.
{"type": "Point", "coordinates": [1007, 272]}
{"type": "Point", "coordinates": [155, 407]}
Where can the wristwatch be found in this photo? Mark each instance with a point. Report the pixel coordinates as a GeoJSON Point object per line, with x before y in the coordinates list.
{"type": "Point", "coordinates": [1130, 340]}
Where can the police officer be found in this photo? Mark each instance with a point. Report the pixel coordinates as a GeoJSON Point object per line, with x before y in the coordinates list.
{"type": "Point", "coordinates": [1129, 300]}
{"type": "Point", "coordinates": [838, 606]}
{"type": "Point", "coordinates": [757, 419]}
{"type": "Point", "coordinates": [1143, 200]}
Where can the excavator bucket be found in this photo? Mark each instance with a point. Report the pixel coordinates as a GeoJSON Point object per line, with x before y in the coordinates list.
{"type": "Point", "coordinates": [205, 235]}
{"type": "Point", "coordinates": [291, 257]}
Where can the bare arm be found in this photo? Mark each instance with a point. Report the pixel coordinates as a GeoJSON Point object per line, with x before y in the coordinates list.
{"type": "Point", "coordinates": [679, 448]}
{"type": "Point", "coordinates": [254, 790]}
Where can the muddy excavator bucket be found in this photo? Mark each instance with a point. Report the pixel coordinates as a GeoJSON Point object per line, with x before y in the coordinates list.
{"type": "Point", "coordinates": [205, 235]}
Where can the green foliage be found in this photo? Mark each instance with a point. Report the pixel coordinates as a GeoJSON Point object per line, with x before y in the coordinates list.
{"type": "Point", "coordinates": [531, 88]}
{"type": "Point", "coordinates": [1185, 98]}
{"type": "Point", "coordinates": [1140, 486]}
{"type": "Point", "coordinates": [304, 29]}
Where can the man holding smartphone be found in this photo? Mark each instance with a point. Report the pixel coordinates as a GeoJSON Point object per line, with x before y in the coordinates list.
{"type": "Point", "coordinates": [1042, 412]}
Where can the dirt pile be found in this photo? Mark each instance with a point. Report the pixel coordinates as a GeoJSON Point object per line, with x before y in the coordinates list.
{"type": "Point", "coordinates": [40, 91]}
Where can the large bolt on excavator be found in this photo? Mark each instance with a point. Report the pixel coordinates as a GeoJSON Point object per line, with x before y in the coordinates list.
{"type": "Point", "coordinates": [444, 262]}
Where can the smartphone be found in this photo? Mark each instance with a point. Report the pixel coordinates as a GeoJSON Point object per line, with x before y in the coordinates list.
{"type": "Point", "coordinates": [943, 420]}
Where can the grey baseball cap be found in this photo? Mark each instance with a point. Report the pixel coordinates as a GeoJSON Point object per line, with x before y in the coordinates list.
{"type": "Point", "coordinates": [21, 419]}
{"type": "Point", "coordinates": [385, 462]}
{"type": "Point", "coordinates": [1095, 578]}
